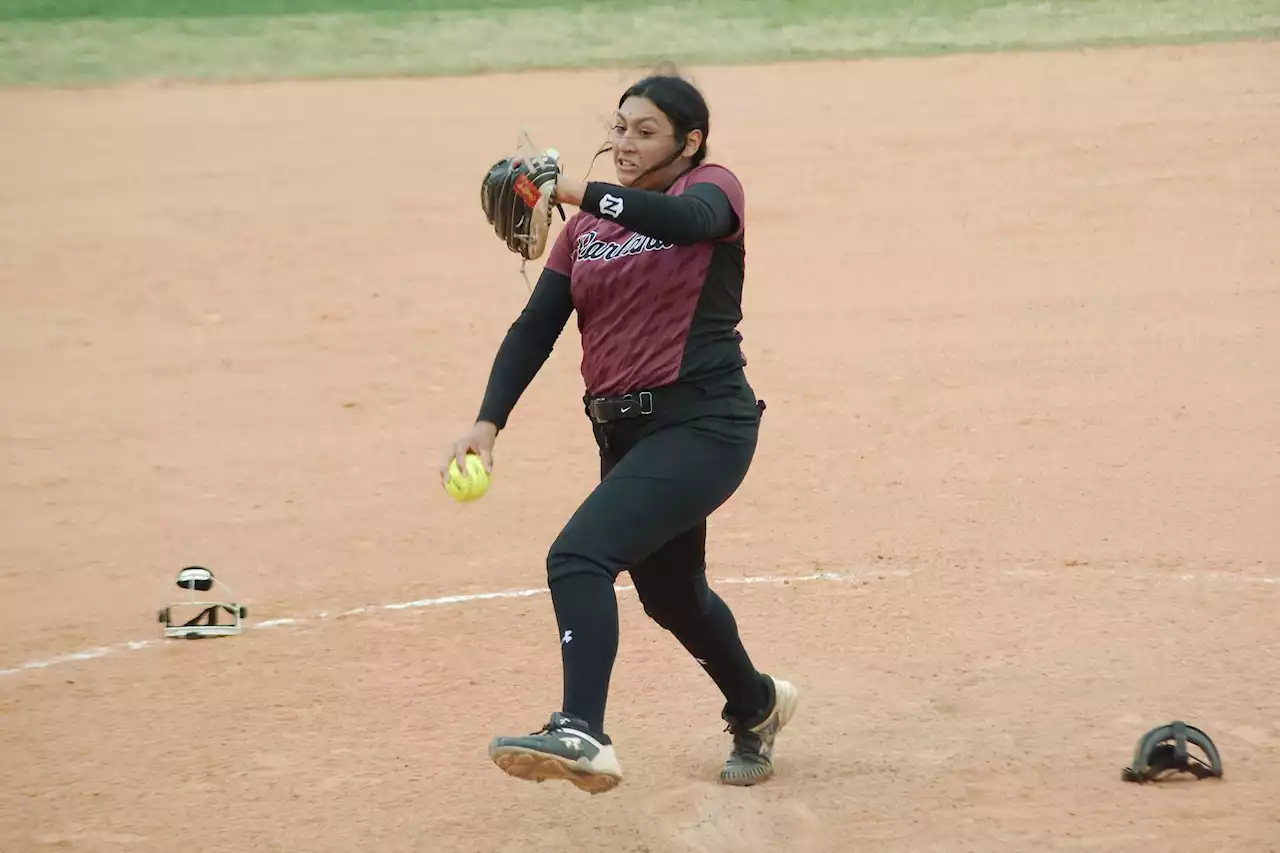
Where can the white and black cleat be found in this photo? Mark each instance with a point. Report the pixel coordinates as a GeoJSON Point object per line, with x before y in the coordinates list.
{"type": "Point", "coordinates": [562, 749]}
{"type": "Point", "coordinates": [751, 760]}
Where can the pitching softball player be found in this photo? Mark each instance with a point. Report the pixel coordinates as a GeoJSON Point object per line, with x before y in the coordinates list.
{"type": "Point", "coordinates": [653, 265]}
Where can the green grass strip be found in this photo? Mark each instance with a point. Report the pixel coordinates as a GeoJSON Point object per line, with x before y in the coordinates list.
{"type": "Point", "coordinates": [424, 37]}
{"type": "Point", "coordinates": [106, 10]}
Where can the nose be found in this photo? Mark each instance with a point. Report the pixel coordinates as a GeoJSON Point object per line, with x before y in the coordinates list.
{"type": "Point", "coordinates": [624, 144]}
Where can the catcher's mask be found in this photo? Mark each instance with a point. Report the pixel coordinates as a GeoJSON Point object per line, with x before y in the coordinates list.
{"type": "Point", "coordinates": [1155, 756]}
{"type": "Point", "coordinates": [206, 622]}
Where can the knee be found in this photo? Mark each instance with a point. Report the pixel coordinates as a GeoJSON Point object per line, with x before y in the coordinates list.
{"type": "Point", "coordinates": [676, 606]}
{"type": "Point", "coordinates": [566, 559]}
{"type": "Point", "coordinates": [562, 564]}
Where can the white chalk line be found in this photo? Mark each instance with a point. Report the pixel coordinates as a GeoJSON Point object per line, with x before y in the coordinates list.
{"type": "Point", "coordinates": [466, 598]}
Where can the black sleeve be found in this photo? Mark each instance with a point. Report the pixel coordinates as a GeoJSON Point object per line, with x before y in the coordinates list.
{"type": "Point", "coordinates": [701, 212]}
{"type": "Point", "coordinates": [527, 345]}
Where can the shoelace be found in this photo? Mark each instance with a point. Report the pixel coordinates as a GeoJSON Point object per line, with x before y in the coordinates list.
{"type": "Point", "coordinates": [744, 740]}
{"type": "Point", "coordinates": [551, 726]}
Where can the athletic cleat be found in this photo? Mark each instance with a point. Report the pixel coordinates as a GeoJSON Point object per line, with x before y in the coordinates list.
{"type": "Point", "coordinates": [751, 760]}
{"type": "Point", "coordinates": [562, 749]}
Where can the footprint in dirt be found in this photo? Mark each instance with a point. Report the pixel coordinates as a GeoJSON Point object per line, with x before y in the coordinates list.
{"type": "Point", "coordinates": [714, 818]}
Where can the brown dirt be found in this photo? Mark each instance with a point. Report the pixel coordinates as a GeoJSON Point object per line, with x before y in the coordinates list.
{"type": "Point", "coordinates": [1016, 319]}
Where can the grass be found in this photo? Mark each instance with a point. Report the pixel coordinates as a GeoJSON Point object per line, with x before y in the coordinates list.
{"type": "Point", "coordinates": [93, 41]}
{"type": "Point", "coordinates": [109, 10]}
{"type": "Point", "coordinates": [68, 10]}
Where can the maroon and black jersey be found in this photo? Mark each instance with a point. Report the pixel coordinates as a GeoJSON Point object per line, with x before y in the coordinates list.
{"type": "Point", "coordinates": [651, 311]}
{"type": "Point", "coordinates": [656, 279]}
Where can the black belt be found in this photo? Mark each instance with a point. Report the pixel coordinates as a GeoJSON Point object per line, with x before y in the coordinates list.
{"type": "Point", "coordinates": [639, 403]}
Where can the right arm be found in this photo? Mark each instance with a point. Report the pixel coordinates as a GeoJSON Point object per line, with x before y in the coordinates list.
{"type": "Point", "coordinates": [526, 347]}
{"type": "Point", "coordinates": [523, 351]}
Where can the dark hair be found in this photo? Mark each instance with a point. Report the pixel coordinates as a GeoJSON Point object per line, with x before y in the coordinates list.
{"type": "Point", "coordinates": [682, 104]}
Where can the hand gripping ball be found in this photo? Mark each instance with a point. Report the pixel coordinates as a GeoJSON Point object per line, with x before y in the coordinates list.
{"type": "Point", "coordinates": [469, 486]}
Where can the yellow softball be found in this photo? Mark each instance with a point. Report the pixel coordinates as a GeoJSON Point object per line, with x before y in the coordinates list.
{"type": "Point", "coordinates": [469, 486]}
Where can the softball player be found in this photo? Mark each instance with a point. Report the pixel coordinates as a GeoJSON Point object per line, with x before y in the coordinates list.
{"type": "Point", "coordinates": [654, 267]}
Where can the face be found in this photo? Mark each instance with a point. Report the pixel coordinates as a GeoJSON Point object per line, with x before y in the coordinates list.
{"type": "Point", "coordinates": [642, 138]}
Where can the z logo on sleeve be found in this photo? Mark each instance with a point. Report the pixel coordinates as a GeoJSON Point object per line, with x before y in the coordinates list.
{"type": "Point", "coordinates": [611, 206]}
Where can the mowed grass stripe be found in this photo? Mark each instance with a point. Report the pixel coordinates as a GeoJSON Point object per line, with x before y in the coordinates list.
{"type": "Point", "coordinates": [602, 34]}
{"type": "Point", "coordinates": [70, 10]}
{"type": "Point", "coordinates": [776, 10]}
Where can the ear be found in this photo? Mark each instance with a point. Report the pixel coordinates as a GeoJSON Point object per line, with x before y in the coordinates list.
{"type": "Point", "coordinates": [691, 143]}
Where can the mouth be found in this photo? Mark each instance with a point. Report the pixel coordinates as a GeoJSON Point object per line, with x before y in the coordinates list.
{"type": "Point", "coordinates": [625, 165]}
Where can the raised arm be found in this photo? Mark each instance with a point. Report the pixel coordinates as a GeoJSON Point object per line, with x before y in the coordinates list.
{"type": "Point", "coordinates": [701, 212]}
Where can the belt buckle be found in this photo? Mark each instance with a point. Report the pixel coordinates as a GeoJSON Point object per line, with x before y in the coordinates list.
{"type": "Point", "coordinates": [643, 398]}
{"type": "Point", "coordinates": [621, 407]}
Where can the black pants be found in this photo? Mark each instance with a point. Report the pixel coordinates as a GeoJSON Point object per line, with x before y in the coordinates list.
{"type": "Point", "coordinates": [661, 476]}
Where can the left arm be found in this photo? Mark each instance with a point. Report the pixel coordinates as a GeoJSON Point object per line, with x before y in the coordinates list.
{"type": "Point", "coordinates": [702, 212]}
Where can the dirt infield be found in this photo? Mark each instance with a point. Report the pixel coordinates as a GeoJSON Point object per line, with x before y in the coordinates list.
{"type": "Point", "coordinates": [1017, 322]}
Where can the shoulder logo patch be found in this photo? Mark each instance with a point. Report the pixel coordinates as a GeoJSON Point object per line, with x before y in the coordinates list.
{"type": "Point", "coordinates": [611, 206]}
